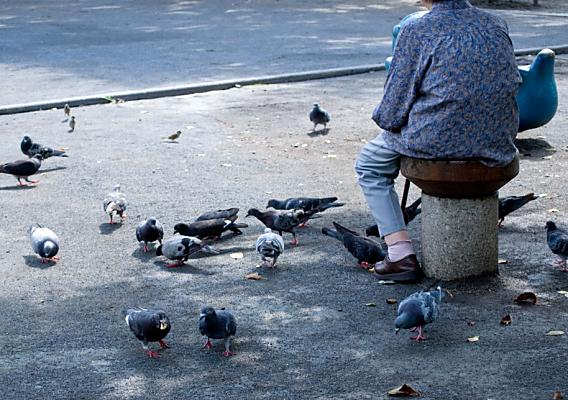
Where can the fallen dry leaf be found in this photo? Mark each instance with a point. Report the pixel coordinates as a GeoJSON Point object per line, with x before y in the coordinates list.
{"type": "Point", "coordinates": [381, 282]}
{"type": "Point", "coordinates": [392, 301]}
{"type": "Point", "coordinates": [236, 256]}
{"type": "Point", "coordinates": [526, 298]}
{"type": "Point", "coordinates": [555, 333]}
{"type": "Point", "coordinates": [563, 292]}
{"type": "Point", "coordinates": [506, 320]}
{"type": "Point", "coordinates": [372, 269]}
{"type": "Point", "coordinates": [557, 396]}
{"type": "Point", "coordinates": [473, 339]}
{"type": "Point", "coordinates": [403, 390]}
{"type": "Point", "coordinates": [553, 210]}
{"type": "Point", "coordinates": [547, 157]}
{"type": "Point", "coordinates": [371, 305]}
{"type": "Point", "coordinates": [471, 323]}
{"type": "Point", "coordinates": [502, 261]}
{"type": "Point", "coordinates": [253, 276]}
{"type": "Point", "coordinates": [226, 165]}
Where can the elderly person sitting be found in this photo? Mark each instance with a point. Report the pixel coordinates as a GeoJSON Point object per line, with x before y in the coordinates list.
{"type": "Point", "coordinates": [450, 94]}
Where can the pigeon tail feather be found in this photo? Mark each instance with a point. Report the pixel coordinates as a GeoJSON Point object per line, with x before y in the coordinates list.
{"type": "Point", "coordinates": [332, 233]}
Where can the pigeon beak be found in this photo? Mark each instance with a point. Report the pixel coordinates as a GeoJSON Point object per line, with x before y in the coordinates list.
{"type": "Point", "coordinates": [201, 315]}
{"type": "Point", "coordinates": [396, 331]}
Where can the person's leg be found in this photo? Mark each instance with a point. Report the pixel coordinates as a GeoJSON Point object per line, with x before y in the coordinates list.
{"type": "Point", "coordinates": [377, 166]}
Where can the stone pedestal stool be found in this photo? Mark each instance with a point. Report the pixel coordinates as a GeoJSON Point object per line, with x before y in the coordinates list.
{"type": "Point", "coordinates": [459, 214]}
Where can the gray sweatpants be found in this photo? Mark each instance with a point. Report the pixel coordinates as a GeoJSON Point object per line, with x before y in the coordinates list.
{"type": "Point", "coordinates": [377, 166]}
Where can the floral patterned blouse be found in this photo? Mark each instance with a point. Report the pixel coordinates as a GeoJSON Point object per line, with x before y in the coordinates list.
{"type": "Point", "coordinates": [451, 88]}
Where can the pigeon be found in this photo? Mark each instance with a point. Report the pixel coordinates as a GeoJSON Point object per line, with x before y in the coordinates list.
{"type": "Point", "coordinates": [409, 214]}
{"type": "Point", "coordinates": [22, 169]}
{"type": "Point", "coordinates": [115, 203]}
{"type": "Point", "coordinates": [311, 205]}
{"type": "Point", "coordinates": [72, 124]}
{"type": "Point", "coordinates": [149, 230]}
{"type": "Point", "coordinates": [229, 213]}
{"type": "Point", "coordinates": [319, 116]}
{"type": "Point", "coordinates": [217, 324]}
{"type": "Point", "coordinates": [557, 240]}
{"type": "Point", "coordinates": [512, 203]}
{"type": "Point", "coordinates": [270, 245]}
{"type": "Point", "coordinates": [365, 250]}
{"type": "Point", "coordinates": [30, 149]}
{"type": "Point", "coordinates": [211, 228]}
{"type": "Point", "coordinates": [173, 137]}
{"type": "Point", "coordinates": [180, 247]}
{"type": "Point", "coordinates": [148, 326]}
{"type": "Point", "coordinates": [44, 242]}
{"type": "Point", "coordinates": [280, 220]}
{"type": "Point", "coordinates": [417, 310]}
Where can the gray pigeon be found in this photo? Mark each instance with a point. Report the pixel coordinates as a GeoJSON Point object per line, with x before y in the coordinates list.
{"type": "Point", "coordinates": [148, 326]}
{"type": "Point", "coordinates": [44, 242]}
{"type": "Point", "coordinates": [365, 250]}
{"type": "Point", "coordinates": [280, 220]}
{"type": "Point", "coordinates": [180, 247]}
{"type": "Point", "coordinates": [557, 240]}
{"type": "Point", "coordinates": [115, 203]}
{"type": "Point", "coordinates": [270, 245]}
{"type": "Point", "coordinates": [417, 310]}
{"type": "Point", "coordinates": [210, 228]}
{"type": "Point", "coordinates": [310, 205]}
{"type": "Point", "coordinates": [22, 169]}
{"type": "Point", "coordinates": [319, 116]}
{"type": "Point", "coordinates": [30, 149]}
{"type": "Point", "coordinates": [512, 203]}
{"type": "Point", "coordinates": [229, 213]}
{"type": "Point", "coordinates": [217, 324]}
{"type": "Point", "coordinates": [148, 231]}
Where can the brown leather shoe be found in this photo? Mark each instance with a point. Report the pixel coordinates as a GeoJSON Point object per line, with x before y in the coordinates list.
{"type": "Point", "coordinates": [405, 270]}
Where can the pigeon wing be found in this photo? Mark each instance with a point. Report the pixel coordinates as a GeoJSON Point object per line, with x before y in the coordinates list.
{"type": "Point", "coordinates": [558, 241]}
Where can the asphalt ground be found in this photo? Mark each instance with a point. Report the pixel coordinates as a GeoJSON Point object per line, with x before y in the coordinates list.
{"type": "Point", "coordinates": [305, 330]}
{"type": "Point", "coordinates": [53, 49]}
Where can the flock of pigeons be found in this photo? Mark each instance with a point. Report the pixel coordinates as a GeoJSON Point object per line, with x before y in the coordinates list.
{"type": "Point", "coordinates": [152, 325]}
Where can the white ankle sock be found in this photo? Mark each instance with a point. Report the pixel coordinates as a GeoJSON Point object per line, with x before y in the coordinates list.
{"type": "Point", "coordinates": [398, 250]}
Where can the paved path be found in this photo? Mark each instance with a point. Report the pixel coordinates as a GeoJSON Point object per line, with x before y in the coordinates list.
{"type": "Point", "coordinates": [52, 49]}
{"type": "Point", "coordinates": [305, 331]}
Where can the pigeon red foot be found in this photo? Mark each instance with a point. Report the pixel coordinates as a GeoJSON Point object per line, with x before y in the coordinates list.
{"type": "Point", "coordinates": [178, 263]}
{"type": "Point", "coordinates": [420, 336]}
{"type": "Point", "coordinates": [151, 354]}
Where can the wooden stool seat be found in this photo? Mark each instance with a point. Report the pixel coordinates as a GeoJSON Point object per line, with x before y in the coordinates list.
{"type": "Point", "coordinates": [457, 178]}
